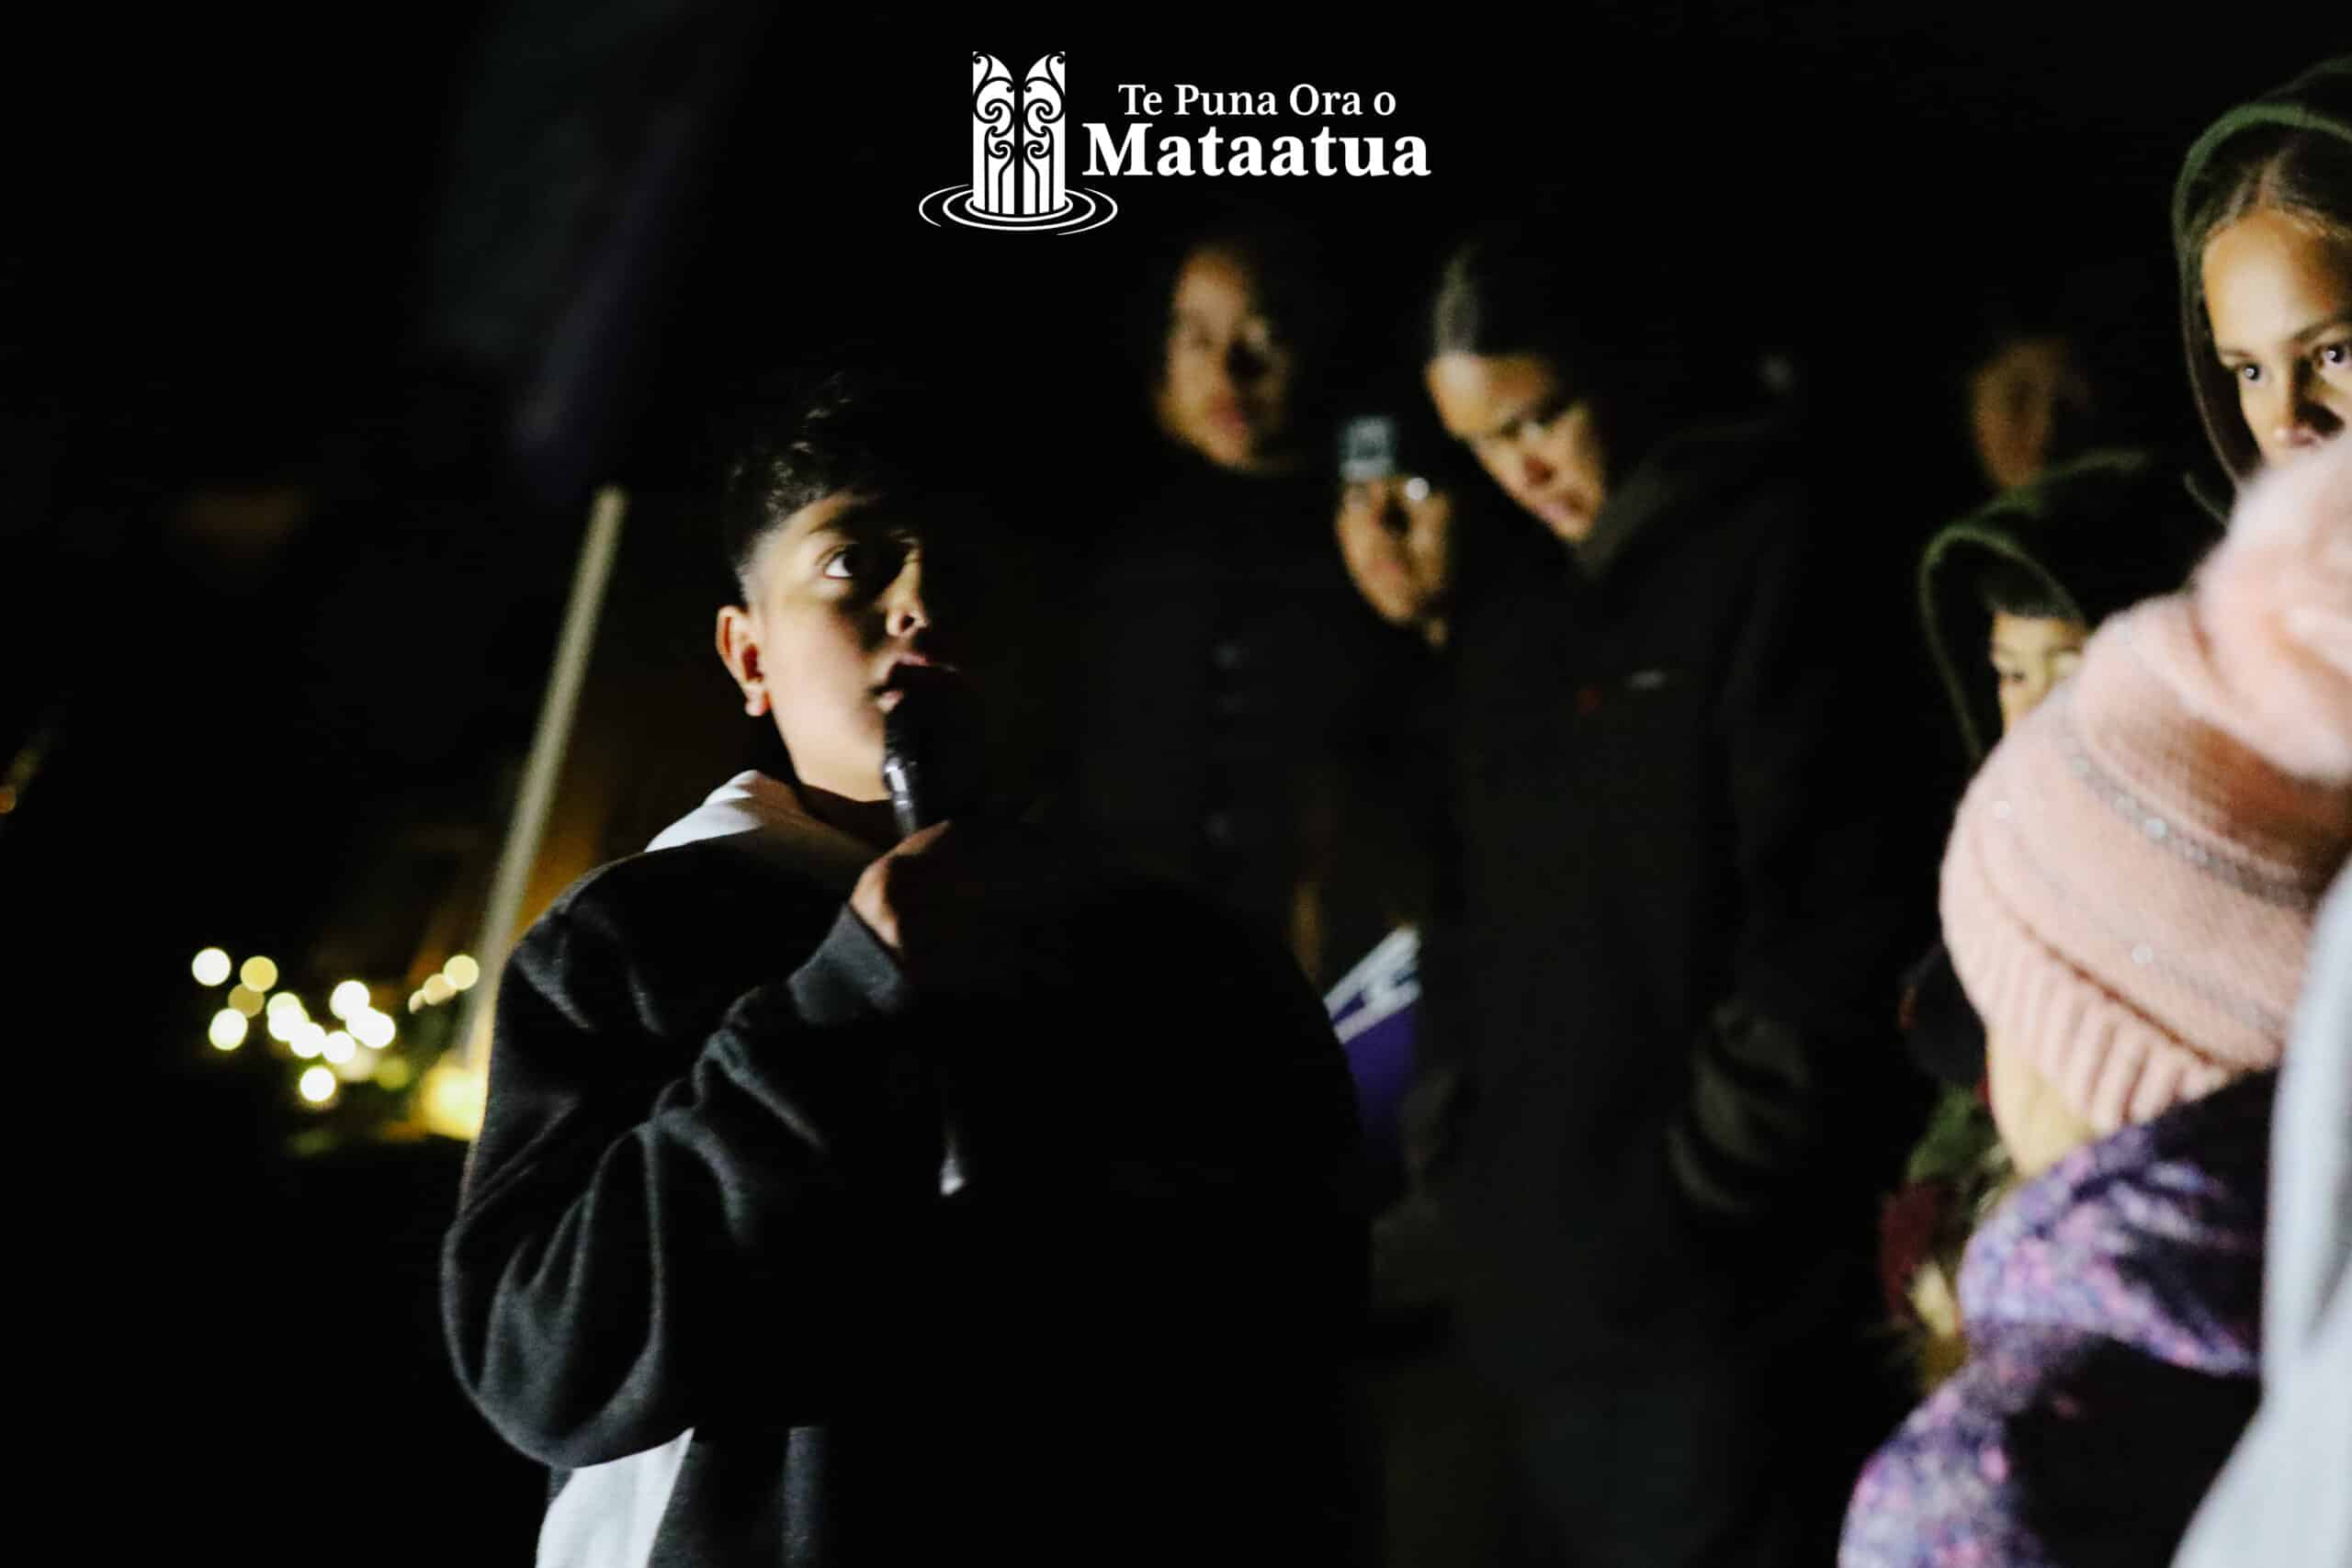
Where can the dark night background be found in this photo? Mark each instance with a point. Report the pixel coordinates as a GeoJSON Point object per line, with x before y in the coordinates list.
{"type": "Point", "coordinates": [280, 579]}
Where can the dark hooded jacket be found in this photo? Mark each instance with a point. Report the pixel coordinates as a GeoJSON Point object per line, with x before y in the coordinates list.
{"type": "Point", "coordinates": [1692, 858]}
{"type": "Point", "coordinates": [715, 1267]}
{"type": "Point", "coordinates": [2098, 534]}
{"type": "Point", "coordinates": [2319, 101]}
{"type": "Point", "coordinates": [2090, 537]}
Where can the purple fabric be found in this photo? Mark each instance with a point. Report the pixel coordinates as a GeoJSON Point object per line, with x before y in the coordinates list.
{"type": "Point", "coordinates": [2112, 1308]}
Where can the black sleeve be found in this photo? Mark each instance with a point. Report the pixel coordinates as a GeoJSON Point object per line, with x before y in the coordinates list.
{"type": "Point", "coordinates": [628, 1248]}
{"type": "Point", "coordinates": [1822, 808]}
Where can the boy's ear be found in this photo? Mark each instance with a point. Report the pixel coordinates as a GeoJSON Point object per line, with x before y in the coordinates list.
{"type": "Point", "coordinates": [737, 636]}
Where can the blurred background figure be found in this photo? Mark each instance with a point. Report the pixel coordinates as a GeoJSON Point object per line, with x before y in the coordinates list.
{"type": "Point", "coordinates": [2063, 359]}
{"type": "Point", "coordinates": [1375, 832]}
{"type": "Point", "coordinates": [2008, 596]}
{"type": "Point", "coordinates": [1222, 638]}
{"type": "Point", "coordinates": [1241, 355]}
{"type": "Point", "coordinates": [1685, 881]}
{"type": "Point", "coordinates": [1395, 522]}
{"type": "Point", "coordinates": [2262, 225]}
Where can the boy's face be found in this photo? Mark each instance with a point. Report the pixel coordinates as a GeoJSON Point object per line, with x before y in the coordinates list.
{"type": "Point", "coordinates": [843, 601]}
{"type": "Point", "coordinates": [2031, 655]}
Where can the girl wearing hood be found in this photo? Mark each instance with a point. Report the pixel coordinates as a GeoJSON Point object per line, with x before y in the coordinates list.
{"type": "Point", "coordinates": [2128, 897]}
{"type": "Point", "coordinates": [2262, 225]}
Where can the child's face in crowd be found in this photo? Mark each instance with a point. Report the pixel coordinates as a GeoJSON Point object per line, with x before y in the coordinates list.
{"type": "Point", "coordinates": [839, 602]}
{"type": "Point", "coordinates": [2016, 400]}
{"type": "Point", "coordinates": [1542, 447]}
{"type": "Point", "coordinates": [1225, 382]}
{"type": "Point", "coordinates": [1395, 536]}
{"type": "Point", "coordinates": [2279, 298]}
{"type": "Point", "coordinates": [2031, 655]}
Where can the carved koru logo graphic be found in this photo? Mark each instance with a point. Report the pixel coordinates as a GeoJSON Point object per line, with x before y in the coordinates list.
{"type": "Point", "coordinates": [1019, 136]}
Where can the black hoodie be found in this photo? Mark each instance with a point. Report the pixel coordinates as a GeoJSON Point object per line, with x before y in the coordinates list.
{"type": "Point", "coordinates": [705, 1266]}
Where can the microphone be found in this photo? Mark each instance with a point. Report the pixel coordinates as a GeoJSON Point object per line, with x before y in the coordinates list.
{"type": "Point", "coordinates": [931, 764]}
{"type": "Point", "coordinates": [931, 755]}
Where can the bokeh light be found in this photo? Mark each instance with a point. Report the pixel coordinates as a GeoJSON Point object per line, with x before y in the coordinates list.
{"type": "Point", "coordinates": [449, 1101]}
{"type": "Point", "coordinates": [287, 1002]}
{"type": "Point", "coordinates": [228, 1030]}
{"type": "Point", "coordinates": [373, 1029]}
{"type": "Point", "coordinates": [394, 1071]}
{"type": "Point", "coordinates": [317, 1085]}
{"type": "Point", "coordinates": [282, 1024]}
{"type": "Point", "coordinates": [308, 1039]}
{"type": "Point", "coordinates": [462, 971]}
{"type": "Point", "coordinates": [437, 989]}
{"type": "Point", "coordinates": [359, 1069]}
{"type": "Point", "coordinates": [337, 1046]}
{"type": "Point", "coordinates": [259, 972]}
{"type": "Point", "coordinates": [245, 999]}
{"type": "Point", "coordinates": [347, 998]}
{"type": "Point", "coordinates": [211, 966]}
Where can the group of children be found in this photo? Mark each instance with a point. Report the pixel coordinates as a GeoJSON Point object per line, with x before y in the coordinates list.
{"type": "Point", "coordinates": [849, 1193]}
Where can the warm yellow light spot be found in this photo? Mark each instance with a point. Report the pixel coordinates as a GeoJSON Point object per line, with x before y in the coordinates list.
{"type": "Point", "coordinates": [245, 999]}
{"type": "Point", "coordinates": [228, 1030]}
{"type": "Point", "coordinates": [211, 966]}
{"type": "Point", "coordinates": [259, 972]}
{"type": "Point", "coordinates": [373, 1029]}
{"type": "Point", "coordinates": [462, 971]}
{"type": "Point", "coordinates": [449, 1102]}
{"type": "Point", "coordinates": [347, 998]}
{"type": "Point", "coordinates": [392, 1072]}
{"type": "Point", "coordinates": [287, 1002]}
{"type": "Point", "coordinates": [338, 1046]}
{"type": "Point", "coordinates": [359, 1069]}
{"type": "Point", "coordinates": [308, 1039]}
{"type": "Point", "coordinates": [317, 1085]}
{"type": "Point", "coordinates": [415, 1000]}
{"type": "Point", "coordinates": [282, 1024]}
{"type": "Point", "coordinates": [437, 989]}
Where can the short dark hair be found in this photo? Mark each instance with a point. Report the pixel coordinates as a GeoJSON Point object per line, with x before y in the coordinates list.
{"type": "Point", "coordinates": [2007, 587]}
{"type": "Point", "coordinates": [877, 432]}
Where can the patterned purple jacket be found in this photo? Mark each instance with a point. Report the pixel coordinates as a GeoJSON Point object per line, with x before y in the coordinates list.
{"type": "Point", "coordinates": [2111, 1307]}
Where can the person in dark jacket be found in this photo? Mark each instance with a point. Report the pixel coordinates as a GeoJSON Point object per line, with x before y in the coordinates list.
{"type": "Point", "coordinates": [1222, 642]}
{"type": "Point", "coordinates": [1684, 892]}
{"type": "Point", "coordinates": [840, 1199]}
